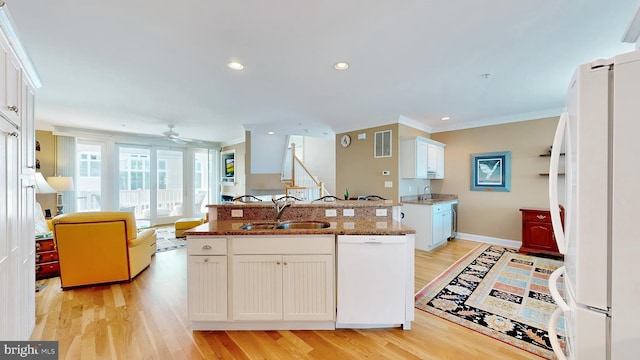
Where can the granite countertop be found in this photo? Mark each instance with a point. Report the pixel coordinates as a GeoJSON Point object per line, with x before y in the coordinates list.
{"type": "Point", "coordinates": [337, 227]}
{"type": "Point", "coordinates": [318, 203]}
{"type": "Point", "coordinates": [428, 199]}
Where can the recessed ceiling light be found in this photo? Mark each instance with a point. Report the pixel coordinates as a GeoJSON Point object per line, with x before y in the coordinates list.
{"type": "Point", "coordinates": [235, 65]}
{"type": "Point", "coordinates": [270, 132]}
{"type": "Point", "coordinates": [341, 66]}
{"type": "Point", "coordinates": [445, 118]}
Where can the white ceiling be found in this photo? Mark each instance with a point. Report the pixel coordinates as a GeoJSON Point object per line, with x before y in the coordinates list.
{"type": "Point", "coordinates": [139, 65]}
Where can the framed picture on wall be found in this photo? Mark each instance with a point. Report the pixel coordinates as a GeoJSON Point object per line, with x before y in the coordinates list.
{"type": "Point", "coordinates": [491, 171]}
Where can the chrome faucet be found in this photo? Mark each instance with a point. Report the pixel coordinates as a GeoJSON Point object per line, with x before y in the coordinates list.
{"type": "Point", "coordinates": [279, 208]}
{"type": "Point", "coordinates": [427, 190]}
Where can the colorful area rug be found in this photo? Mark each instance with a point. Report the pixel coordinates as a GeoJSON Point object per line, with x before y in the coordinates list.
{"type": "Point", "coordinates": [166, 239]}
{"type": "Point", "coordinates": [498, 292]}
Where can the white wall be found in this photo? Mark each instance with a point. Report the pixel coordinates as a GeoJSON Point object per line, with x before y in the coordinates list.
{"type": "Point", "coordinates": [267, 152]}
{"type": "Point", "coordinates": [320, 159]}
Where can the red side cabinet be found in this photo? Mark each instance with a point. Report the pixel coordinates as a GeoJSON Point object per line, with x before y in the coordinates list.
{"type": "Point", "coordinates": [537, 232]}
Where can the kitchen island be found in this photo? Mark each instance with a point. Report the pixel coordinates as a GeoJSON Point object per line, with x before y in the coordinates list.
{"type": "Point", "coordinates": [269, 276]}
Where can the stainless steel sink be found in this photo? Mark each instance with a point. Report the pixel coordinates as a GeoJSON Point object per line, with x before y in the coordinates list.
{"type": "Point", "coordinates": [304, 225]}
{"type": "Point", "coordinates": [259, 226]}
{"type": "Point", "coordinates": [288, 225]}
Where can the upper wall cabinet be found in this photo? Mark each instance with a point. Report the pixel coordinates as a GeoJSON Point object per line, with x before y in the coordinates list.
{"type": "Point", "coordinates": [421, 158]}
{"type": "Point", "coordinates": [10, 91]}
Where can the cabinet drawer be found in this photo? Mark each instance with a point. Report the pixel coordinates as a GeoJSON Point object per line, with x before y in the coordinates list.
{"type": "Point", "coordinates": [541, 216]}
{"type": "Point", "coordinates": [47, 256]}
{"type": "Point", "coordinates": [45, 245]}
{"type": "Point", "coordinates": [47, 270]}
{"type": "Point", "coordinates": [206, 245]}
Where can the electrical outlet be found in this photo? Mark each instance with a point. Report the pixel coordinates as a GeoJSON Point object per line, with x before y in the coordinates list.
{"type": "Point", "coordinates": [381, 212]}
{"type": "Point", "coordinates": [331, 213]}
{"type": "Point", "coordinates": [388, 184]}
{"type": "Point", "coordinates": [236, 212]}
{"type": "Point", "coordinates": [348, 212]}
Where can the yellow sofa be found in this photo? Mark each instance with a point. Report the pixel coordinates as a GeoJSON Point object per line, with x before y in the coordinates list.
{"type": "Point", "coordinates": [101, 247]}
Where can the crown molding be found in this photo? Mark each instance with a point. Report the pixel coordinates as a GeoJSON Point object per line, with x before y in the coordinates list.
{"type": "Point", "coordinates": [499, 120]}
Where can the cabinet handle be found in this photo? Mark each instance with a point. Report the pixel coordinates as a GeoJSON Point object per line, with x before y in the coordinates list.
{"type": "Point", "coordinates": [14, 134]}
{"type": "Point", "coordinates": [13, 108]}
{"type": "Point", "coordinates": [206, 259]}
{"type": "Point", "coordinates": [38, 256]}
{"type": "Point", "coordinates": [37, 246]}
{"type": "Point", "coordinates": [206, 247]}
{"type": "Point", "coordinates": [38, 268]}
{"type": "Point", "coordinates": [277, 262]}
{"type": "Point", "coordinates": [31, 186]}
{"type": "Point", "coordinates": [285, 263]}
{"type": "Point", "coordinates": [542, 217]}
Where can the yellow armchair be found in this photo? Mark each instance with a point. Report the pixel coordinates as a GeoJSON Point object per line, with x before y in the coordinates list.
{"type": "Point", "coordinates": [101, 247]}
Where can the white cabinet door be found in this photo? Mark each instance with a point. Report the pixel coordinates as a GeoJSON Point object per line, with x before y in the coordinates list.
{"type": "Point", "coordinates": [308, 287]}
{"type": "Point", "coordinates": [257, 287]}
{"type": "Point", "coordinates": [10, 94]}
{"type": "Point", "coordinates": [413, 159]}
{"type": "Point", "coordinates": [207, 288]}
{"type": "Point", "coordinates": [28, 130]}
{"type": "Point", "coordinates": [432, 153]}
{"type": "Point", "coordinates": [418, 217]}
{"type": "Point", "coordinates": [436, 161]}
{"type": "Point", "coordinates": [437, 229]}
{"type": "Point", "coordinates": [447, 222]}
{"type": "Point", "coordinates": [422, 160]}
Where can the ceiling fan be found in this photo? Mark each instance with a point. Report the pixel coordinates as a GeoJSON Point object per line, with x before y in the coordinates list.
{"type": "Point", "coordinates": [174, 136]}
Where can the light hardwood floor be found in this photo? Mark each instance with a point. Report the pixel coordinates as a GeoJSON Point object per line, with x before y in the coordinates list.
{"type": "Point", "coordinates": [147, 319]}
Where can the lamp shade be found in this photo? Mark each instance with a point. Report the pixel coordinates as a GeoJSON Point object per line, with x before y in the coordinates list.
{"type": "Point", "coordinates": [42, 186]}
{"type": "Point", "coordinates": [61, 183]}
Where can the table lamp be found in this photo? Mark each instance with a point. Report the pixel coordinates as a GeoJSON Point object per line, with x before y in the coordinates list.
{"type": "Point", "coordinates": [42, 186]}
{"type": "Point", "coordinates": [61, 184]}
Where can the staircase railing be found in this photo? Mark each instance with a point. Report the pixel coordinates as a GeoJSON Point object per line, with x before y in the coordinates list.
{"type": "Point", "coordinates": [302, 184]}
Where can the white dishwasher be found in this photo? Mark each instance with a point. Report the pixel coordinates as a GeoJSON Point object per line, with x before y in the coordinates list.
{"type": "Point", "coordinates": [372, 273]}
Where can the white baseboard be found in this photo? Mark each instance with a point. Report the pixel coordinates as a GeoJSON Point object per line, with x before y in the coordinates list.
{"type": "Point", "coordinates": [490, 240]}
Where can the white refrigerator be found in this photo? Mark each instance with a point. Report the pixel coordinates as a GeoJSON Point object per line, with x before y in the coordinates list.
{"type": "Point", "coordinates": [600, 135]}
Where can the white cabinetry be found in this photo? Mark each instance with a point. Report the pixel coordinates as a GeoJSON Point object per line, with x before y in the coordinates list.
{"type": "Point", "coordinates": [421, 158]}
{"type": "Point", "coordinates": [207, 278]}
{"type": "Point", "coordinates": [432, 223]}
{"type": "Point", "coordinates": [10, 89]}
{"type": "Point", "coordinates": [17, 245]}
{"type": "Point", "coordinates": [282, 287]}
{"type": "Point", "coordinates": [283, 278]}
{"type": "Point", "coordinates": [435, 167]}
{"type": "Point", "coordinates": [413, 159]}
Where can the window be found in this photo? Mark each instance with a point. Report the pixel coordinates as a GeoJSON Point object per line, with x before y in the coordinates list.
{"type": "Point", "coordinates": [382, 145]}
{"type": "Point", "coordinates": [134, 172]}
{"type": "Point", "coordinates": [89, 164]}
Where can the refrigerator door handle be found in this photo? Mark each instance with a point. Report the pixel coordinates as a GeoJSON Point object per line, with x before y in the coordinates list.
{"type": "Point", "coordinates": [553, 183]}
{"type": "Point", "coordinates": [553, 289]}
{"type": "Point", "coordinates": [553, 334]}
{"type": "Point", "coordinates": [563, 308]}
